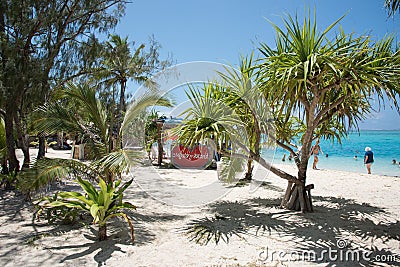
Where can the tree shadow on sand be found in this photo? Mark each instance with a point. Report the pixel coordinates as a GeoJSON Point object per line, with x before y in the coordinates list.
{"type": "Point", "coordinates": [14, 210]}
{"type": "Point", "coordinates": [118, 234]}
{"type": "Point", "coordinates": [344, 228]}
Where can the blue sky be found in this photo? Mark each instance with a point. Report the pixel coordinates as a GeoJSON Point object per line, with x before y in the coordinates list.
{"type": "Point", "coordinates": [222, 30]}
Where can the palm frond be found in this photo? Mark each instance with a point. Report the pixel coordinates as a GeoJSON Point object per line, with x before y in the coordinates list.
{"type": "Point", "coordinates": [392, 6]}
{"type": "Point", "coordinates": [118, 161]}
{"type": "Point", "coordinates": [85, 96]}
{"type": "Point", "coordinates": [53, 117]}
{"type": "Point", "coordinates": [45, 171]}
{"type": "Point", "coordinates": [141, 104]}
{"type": "Point", "coordinates": [232, 169]}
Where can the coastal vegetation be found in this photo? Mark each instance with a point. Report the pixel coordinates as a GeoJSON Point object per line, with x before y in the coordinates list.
{"type": "Point", "coordinates": [89, 119]}
{"type": "Point", "coordinates": [57, 76]}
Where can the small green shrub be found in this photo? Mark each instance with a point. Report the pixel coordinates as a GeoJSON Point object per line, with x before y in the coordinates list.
{"type": "Point", "coordinates": [102, 204]}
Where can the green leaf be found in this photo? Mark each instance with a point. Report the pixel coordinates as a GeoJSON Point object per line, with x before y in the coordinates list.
{"type": "Point", "coordinates": [94, 210]}
{"type": "Point", "coordinates": [89, 189]}
{"type": "Point", "coordinates": [128, 205]}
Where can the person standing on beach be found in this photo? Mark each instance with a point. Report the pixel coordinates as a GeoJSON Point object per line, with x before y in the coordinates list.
{"type": "Point", "coordinates": [368, 159]}
{"type": "Point", "coordinates": [315, 151]}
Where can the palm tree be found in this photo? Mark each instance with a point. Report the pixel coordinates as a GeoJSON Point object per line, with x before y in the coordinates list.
{"type": "Point", "coordinates": [119, 65]}
{"type": "Point", "coordinates": [235, 101]}
{"type": "Point", "coordinates": [241, 94]}
{"type": "Point", "coordinates": [327, 83]}
{"type": "Point", "coordinates": [91, 122]}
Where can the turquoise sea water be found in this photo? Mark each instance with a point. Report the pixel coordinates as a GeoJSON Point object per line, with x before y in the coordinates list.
{"type": "Point", "coordinates": [384, 144]}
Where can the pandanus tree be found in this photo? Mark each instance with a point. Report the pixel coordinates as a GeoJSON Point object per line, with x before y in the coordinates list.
{"type": "Point", "coordinates": [326, 83]}
{"type": "Point", "coordinates": [309, 86]}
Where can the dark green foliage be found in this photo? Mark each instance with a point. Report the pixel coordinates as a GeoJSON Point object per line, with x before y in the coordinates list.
{"type": "Point", "coordinates": [62, 214]}
{"type": "Point", "coordinates": [43, 43]}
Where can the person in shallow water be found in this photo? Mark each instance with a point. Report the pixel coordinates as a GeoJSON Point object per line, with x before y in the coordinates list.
{"type": "Point", "coordinates": [368, 159]}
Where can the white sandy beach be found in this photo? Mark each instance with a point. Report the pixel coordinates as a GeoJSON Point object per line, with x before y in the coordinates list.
{"type": "Point", "coordinates": [360, 210]}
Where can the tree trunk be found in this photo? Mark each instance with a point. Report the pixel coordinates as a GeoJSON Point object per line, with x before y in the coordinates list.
{"type": "Point", "coordinates": [22, 141]}
{"type": "Point", "coordinates": [287, 195]}
{"type": "Point", "coordinates": [42, 146]}
{"type": "Point", "coordinates": [298, 195]}
{"type": "Point", "coordinates": [60, 140]}
{"type": "Point", "coordinates": [159, 143]}
{"type": "Point", "coordinates": [13, 163]}
{"type": "Point", "coordinates": [299, 199]}
{"type": "Point", "coordinates": [27, 157]}
{"type": "Point", "coordinates": [296, 191]}
{"type": "Point", "coordinates": [121, 109]}
{"type": "Point", "coordinates": [249, 173]}
{"type": "Point", "coordinates": [102, 232]}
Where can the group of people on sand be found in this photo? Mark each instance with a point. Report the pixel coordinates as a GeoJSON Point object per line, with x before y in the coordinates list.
{"type": "Point", "coordinates": [368, 156]}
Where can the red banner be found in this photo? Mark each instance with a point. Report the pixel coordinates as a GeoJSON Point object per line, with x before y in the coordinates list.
{"type": "Point", "coordinates": [191, 158]}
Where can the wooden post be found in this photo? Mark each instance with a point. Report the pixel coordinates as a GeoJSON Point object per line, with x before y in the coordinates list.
{"type": "Point", "coordinates": [159, 141]}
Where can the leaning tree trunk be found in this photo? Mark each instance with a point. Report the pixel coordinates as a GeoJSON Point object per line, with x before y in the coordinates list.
{"type": "Point", "coordinates": [297, 195]}
{"type": "Point", "coordinates": [102, 232]}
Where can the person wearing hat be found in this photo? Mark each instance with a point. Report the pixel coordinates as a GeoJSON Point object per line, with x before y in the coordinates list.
{"type": "Point", "coordinates": [368, 159]}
